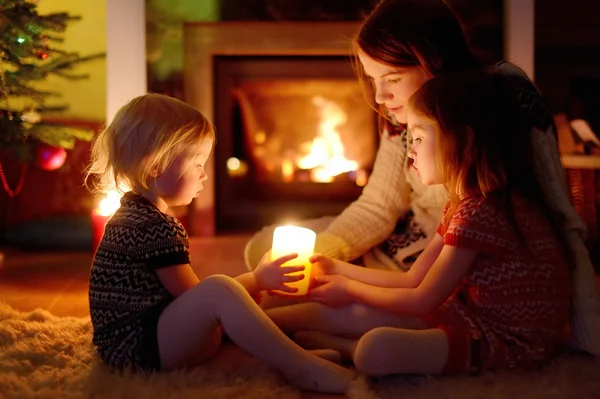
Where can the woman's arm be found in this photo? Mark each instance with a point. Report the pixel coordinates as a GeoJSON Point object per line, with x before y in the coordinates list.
{"type": "Point", "coordinates": [371, 218]}
{"type": "Point", "coordinates": [394, 279]}
{"type": "Point", "coordinates": [437, 285]}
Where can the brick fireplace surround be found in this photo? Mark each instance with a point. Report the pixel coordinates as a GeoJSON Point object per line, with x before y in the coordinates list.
{"type": "Point", "coordinates": [204, 41]}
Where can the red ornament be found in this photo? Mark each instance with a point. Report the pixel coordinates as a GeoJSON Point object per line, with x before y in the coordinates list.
{"type": "Point", "coordinates": [42, 55]}
{"type": "Point", "coordinates": [49, 157]}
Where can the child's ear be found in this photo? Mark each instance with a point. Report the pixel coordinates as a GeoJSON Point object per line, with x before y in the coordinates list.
{"type": "Point", "coordinates": [154, 172]}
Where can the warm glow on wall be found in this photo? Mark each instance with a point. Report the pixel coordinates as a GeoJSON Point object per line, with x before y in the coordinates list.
{"type": "Point", "coordinates": [101, 215]}
{"type": "Point", "coordinates": [109, 204]}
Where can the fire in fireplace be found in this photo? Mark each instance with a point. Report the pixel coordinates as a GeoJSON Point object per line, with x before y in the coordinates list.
{"type": "Point", "coordinates": [296, 138]}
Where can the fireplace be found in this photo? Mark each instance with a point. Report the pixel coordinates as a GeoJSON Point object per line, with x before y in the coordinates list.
{"type": "Point", "coordinates": [296, 139]}
{"type": "Point", "coordinates": [295, 136]}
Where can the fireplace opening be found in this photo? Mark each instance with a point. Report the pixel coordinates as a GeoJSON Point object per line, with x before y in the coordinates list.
{"type": "Point", "coordinates": [296, 139]}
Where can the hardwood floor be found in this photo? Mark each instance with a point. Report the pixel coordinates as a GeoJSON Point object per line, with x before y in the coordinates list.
{"type": "Point", "coordinates": [58, 282]}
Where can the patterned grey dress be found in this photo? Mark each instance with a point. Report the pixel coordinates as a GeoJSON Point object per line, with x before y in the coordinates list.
{"type": "Point", "coordinates": [126, 296]}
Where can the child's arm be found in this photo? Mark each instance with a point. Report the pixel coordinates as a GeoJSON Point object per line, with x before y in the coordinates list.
{"type": "Point", "coordinates": [437, 285]}
{"type": "Point", "coordinates": [385, 278]}
{"type": "Point", "coordinates": [269, 275]}
{"type": "Point", "coordinates": [443, 277]}
{"type": "Point", "coordinates": [177, 279]}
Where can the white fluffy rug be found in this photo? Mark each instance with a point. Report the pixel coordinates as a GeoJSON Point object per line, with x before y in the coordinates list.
{"type": "Point", "coordinates": [43, 356]}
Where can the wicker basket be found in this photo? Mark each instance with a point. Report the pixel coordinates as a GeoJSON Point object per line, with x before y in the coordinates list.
{"type": "Point", "coordinates": [583, 178]}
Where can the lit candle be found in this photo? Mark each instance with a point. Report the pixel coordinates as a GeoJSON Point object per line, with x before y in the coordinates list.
{"type": "Point", "coordinates": [293, 239]}
{"type": "Point", "coordinates": [100, 215]}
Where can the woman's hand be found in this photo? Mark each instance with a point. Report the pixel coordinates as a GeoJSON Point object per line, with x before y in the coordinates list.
{"type": "Point", "coordinates": [331, 290]}
{"type": "Point", "coordinates": [270, 275]}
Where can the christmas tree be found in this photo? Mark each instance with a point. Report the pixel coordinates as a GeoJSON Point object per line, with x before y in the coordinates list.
{"type": "Point", "coordinates": [27, 56]}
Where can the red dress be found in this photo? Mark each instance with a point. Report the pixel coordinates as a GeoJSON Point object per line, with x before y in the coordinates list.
{"type": "Point", "coordinates": [512, 306]}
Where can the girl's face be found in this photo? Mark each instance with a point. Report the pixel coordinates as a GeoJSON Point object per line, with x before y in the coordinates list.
{"type": "Point", "coordinates": [423, 151]}
{"type": "Point", "coordinates": [182, 181]}
{"type": "Point", "coordinates": [393, 85]}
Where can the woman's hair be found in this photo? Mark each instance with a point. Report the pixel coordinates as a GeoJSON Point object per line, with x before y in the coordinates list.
{"type": "Point", "coordinates": [145, 136]}
{"type": "Point", "coordinates": [423, 33]}
{"type": "Point", "coordinates": [420, 33]}
{"type": "Point", "coordinates": [484, 139]}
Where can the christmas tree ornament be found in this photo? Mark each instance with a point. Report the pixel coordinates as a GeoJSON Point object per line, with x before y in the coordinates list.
{"type": "Point", "coordinates": [49, 157]}
{"type": "Point", "coordinates": [32, 117]}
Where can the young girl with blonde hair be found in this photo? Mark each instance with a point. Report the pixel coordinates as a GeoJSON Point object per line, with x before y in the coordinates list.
{"type": "Point", "coordinates": [492, 288]}
{"type": "Point", "coordinates": [148, 308]}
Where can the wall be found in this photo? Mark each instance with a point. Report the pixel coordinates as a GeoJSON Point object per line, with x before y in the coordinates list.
{"type": "Point", "coordinates": [86, 98]}
{"type": "Point", "coordinates": [164, 40]}
{"type": "Point", "coordinates": [567, 48]}
{"type": "Point", "coordinates": [52, 210]}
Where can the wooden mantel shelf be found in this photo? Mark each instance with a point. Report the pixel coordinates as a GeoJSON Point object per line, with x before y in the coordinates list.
{"type": "Point", "coordinates": [581, 161]}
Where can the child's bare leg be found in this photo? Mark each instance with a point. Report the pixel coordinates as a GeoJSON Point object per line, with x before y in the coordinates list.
{"type": "Point", "coordinates": [385, 350]}
{"type": "Point", "coordinates": [316, 340]}
{"type": "Point", "coordinates": [329, 354]}
{"type": "Point", "coordinates": [355, 319]}
{"type": "Point", "coordinates": [187, 326]}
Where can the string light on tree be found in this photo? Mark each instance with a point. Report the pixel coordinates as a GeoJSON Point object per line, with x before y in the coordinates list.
{"type": "Point", "coordinates": [28, 57]}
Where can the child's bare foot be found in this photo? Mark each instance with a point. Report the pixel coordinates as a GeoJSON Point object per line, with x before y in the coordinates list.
{"type": "Point", "coordinates": [321, 376]}
{"type": "Point", "coordinates": [314, 340]}
{"type": "Point", "coordinates": [328, 354]}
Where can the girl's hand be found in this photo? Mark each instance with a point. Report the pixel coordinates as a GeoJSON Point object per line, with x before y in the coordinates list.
{"type": "Point", "coordinates": [321, 266]}
{"type": "Point", "coordinates": [331, 290]}
{"type": "Point", "coordinates": [269, 275]}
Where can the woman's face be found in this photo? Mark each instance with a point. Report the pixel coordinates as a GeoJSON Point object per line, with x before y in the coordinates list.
{"type": "Point", "coordinates": [393, 85]}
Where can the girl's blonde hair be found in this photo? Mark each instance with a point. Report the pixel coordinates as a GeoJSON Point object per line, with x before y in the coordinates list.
{"type": "Point", "coordinates": [143, 139]}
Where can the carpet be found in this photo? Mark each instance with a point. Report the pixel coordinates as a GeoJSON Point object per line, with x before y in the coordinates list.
{"type": "Point", "coordinates": [44, 356]}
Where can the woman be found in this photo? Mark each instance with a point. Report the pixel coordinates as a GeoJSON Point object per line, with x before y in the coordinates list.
{"type": "Point", "coordinates": [400, 46]}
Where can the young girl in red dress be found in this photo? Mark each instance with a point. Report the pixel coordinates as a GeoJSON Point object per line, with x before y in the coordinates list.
{"type": "Point", "coordinates": [492, 290]}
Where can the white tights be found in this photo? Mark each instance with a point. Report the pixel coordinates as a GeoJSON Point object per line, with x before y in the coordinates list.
{"type": "Point", "coordinates": [189, 331]}
{"type": "Point", "coordinates": [379, 343]}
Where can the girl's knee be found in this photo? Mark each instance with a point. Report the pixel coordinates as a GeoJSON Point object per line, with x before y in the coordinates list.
{"type": "Point", "coordinates": [372, 353]}
{"type": "Point", "coordinates": [220, 284]}
{"type": "Point", "coordinates": [386, 350]}
{"type": "Point", "coordinates": [217, 280]}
